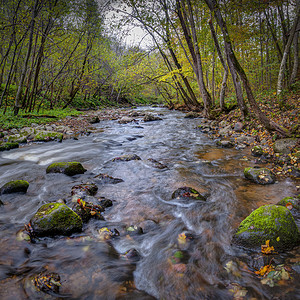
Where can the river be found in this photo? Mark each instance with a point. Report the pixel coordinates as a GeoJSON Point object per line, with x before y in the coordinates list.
{"type": "Point", "coordinates": [92, 269]}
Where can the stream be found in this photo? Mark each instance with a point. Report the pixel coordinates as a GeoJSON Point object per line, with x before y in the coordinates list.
{"type": "Point", "coordinates": [93, 269]}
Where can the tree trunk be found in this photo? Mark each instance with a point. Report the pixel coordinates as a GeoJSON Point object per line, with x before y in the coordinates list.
{"type": "Point", "coordinates": [286, 51]}
{"type": "Point", "coordinates": [269, 125]}
{"type": "Point", "coordinates": [235, 79]}
{"type": "Point", "coordinates": [18, 99]}
{"type": "Point", "coordinates": [192, 42]}
{"type": "Point", "coordinates": [296, 59]}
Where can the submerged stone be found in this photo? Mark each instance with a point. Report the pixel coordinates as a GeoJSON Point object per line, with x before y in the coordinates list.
{"type": "Point", "coordinates": [225, 144]}
{"type": "Point", "coordinates": [157, 164]}
{"type": "Point", "coordinates": [259, 175]}
{"type": "Point", "coordinates": [85, 189]}
{"type": "Point", "coordinates": [68, 168]}
{"type": "Point", "coordinates": [87, 210]}
{"type": "Point", "coordinates": [106, 179]}
{"type": "Point", "coordinates": [127, 157]}
{"type": "Point", "coordinates": [188, 193]}
{"type": "Point", "coordinates": [14, 186]}
{"type": "Point", "coordinates": [150, 117]}
{"type": "Point", "coordinates": [55, 219]}
{"type": "Point", "coordinates": [270, 222]}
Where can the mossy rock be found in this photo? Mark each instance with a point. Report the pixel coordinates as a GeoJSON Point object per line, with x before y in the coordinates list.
{"type": "Point", "coordinates": [293, 201]}
{"type": "Point", "coordinates": [259, 175]}
{"type": "Point", "coordinates": [8, 146]}
{"type": "Point", "coordinates": [46, 136]}
{"type": "Point", "coordinates": [55, 219]}
{"type": "Point", "coordinates": [257, 151]}
{"type": "Point", "coordinates": [14, 186]}
{"type": "Point", "coordinates": [188, 193]}
{"type": "Point", "coordinates": [192, 115]}
{"type": "Point", "coordinates": [68, 168]}
{"type": "Point", "coordinates": [269, 222]}
{"type": "Point", "coordinates": [17, 138]}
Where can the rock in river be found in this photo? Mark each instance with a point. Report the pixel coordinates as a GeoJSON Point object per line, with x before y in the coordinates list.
{"type": "Point", "coordinates": [127, 157]}
{"type": "Point", "coordinates": [85, 189]}
{"type": "Point", "coordinates": [14, 186]}
{"type": "Point", "coordinates": [8, 146]}
{"type": "Point", "coordinates": [106, 179]}
{"type": "Point", "coordinates": [68, 168]}
{"type": "Point", "coordinates": [270, 222]}
{"type": "Point", "coordinates": [149, 118]}
{"type": "Point", "coordinates": [259, 175]}
{"type": "Point", "coordinates": [55, 219]}
{"type": "Point", "coordinates": [188, 193]}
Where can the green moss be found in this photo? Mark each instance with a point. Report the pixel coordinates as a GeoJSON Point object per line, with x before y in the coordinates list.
{"type": "Point", "coordinates": [68, 168]}
{"type": "Point", "coordinates": [14, 186]}
{"type": "Point", "coordinates": [269, 222]}
{"type": "Point", "coordinates": [45, 136]}
{"type": "Point", "coordinates": [295, 201]}
{"type": "Point", "coordinates": [55, 218]}
{"type": "Point", "coordinates": [8, 146]}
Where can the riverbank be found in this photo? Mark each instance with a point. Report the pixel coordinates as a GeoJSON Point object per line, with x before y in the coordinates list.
{"type": "Point", "coordinates": [282, 155]}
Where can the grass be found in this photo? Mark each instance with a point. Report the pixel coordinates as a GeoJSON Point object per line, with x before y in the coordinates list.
{"type": "Point", "coordinates": [9, 121]}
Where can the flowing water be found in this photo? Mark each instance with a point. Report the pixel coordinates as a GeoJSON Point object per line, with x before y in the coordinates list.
{"type": "Point", "coordinates": [93, 269]}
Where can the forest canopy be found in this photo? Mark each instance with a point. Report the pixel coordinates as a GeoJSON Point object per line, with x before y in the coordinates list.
{"type": "Point", "coordinates": [206, 55]}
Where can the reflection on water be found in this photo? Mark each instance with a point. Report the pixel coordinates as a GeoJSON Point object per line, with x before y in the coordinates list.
{"type": "Point", "coordinates": [168, 268]}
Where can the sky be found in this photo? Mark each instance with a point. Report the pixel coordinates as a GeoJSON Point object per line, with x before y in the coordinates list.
{"type": "Point", "coordinates": [131, 35]}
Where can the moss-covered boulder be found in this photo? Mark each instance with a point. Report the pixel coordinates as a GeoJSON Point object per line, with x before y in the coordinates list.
{"type": "Point", "coordinates": [270, 222]}
{"type": "Point", "coordinates": [55, 219]}
{"type": "Point", "coordinates": [46, 136]}
{"type": "Point", "coordinates": [68, 168]}
{"type": "Point", "coordinates": [292, 203]}
{"type": "Point", "coordinates": [14, 186]}
{"type": "Point", "coordinates": [188, 193]}
{"type": "Point", "coordinates": [8, 146]}
{"type": "Point", "coordinates": [260, 175]}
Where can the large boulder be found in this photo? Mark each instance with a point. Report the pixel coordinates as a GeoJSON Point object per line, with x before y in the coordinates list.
{"type": "Point", "coordinates": [14, 186]}
{"type": "Point", "coordinates": [259, 175]}
{"type": "Point", "coordinates": [270, 222]}
{"type": "Point", "coordinates": [284, 145]}
{"type": "Point", "coordinates": [55, 219]}
{"type": "Point", "coordinates": [17, 138]}
{"type": "Point", "coordinates": [68, 168]}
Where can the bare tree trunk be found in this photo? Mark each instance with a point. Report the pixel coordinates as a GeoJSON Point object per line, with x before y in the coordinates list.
{"type": "Point", "coordinates": [296, 59]}
{"type": "Point", "coordinates": [269, 125]}
{"type": "Point", "coordinates": [191, 39]}
{"type": "Point", "coordinates": [286, 51]}
{"type": "Point", "coordinates": [235, 79]}
{"type": "Point", "coordinates": [18, 102]}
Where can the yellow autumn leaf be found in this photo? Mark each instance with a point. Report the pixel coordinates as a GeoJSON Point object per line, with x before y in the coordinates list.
{"type": "Point", "coordinates": [266, 249]}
